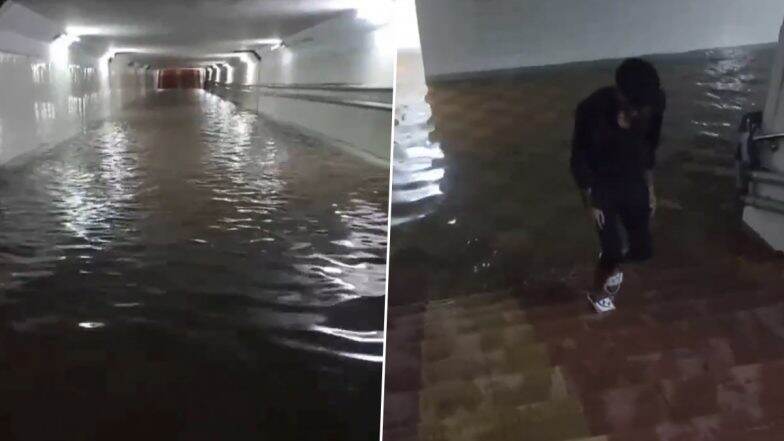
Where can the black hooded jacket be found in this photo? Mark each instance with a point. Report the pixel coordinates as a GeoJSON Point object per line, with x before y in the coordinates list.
{"type": "Point", "coordinates": [602, 151]}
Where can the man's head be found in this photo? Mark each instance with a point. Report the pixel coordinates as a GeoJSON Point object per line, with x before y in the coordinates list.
{"type": "Point", "coordinates": [638, 82]}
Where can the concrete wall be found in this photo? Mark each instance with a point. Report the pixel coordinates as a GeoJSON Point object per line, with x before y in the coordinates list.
{"type": "Point", "coordinates": [25, 32]}
{"type": "Point", "coordinates": [128, 83]}
{"type": "Point", "coordinates": [42, 104]}
{"type": "Point", "coordinates": [344, 50]}
{"type": "Point", "coordinates": [341, 50]}
{"type": "Point", "coordinates": [46, 97]}
{"type": "Point", "coordinates": [770, 225]}
{"type": "Point", "coordinates": [460, 36]}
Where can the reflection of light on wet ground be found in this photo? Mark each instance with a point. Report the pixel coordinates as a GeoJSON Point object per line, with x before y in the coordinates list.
{"type": "Point", "coordinates": [417, 170]}
{"type": "Point", "coordinates": [482, 194]}
{"type": "Point", "coordinates": [44, 110]}
{"type": "Point", "coordinates": [416, 194]}
{"type": "Point", "coordinates": [323, 350]}
{"type": "Point", "coordinates": [360, 336]}
{"type": "Point", "coordinates": [426, 175]}
{"type": "Point", "coordinates": [187, 214]}
{"type": "Point", "coordinates": [345, 272]}
{"type": "Point", "coordinates": [96, 204]}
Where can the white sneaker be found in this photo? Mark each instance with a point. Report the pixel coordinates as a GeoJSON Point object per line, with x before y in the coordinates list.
{"type": "Point", "coordinates": [613, 284]}
{"type": "Point", "coordinates": [602, 305]}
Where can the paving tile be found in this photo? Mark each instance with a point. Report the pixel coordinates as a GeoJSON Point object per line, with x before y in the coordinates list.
{"type": "Point", "coordinates": [401, 409]}
{"type": "Point", "coordinates": [626, 409]}
{"type": "Point", "coordinates": [691, 397]}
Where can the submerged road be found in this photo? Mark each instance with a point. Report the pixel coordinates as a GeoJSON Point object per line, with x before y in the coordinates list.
{"type": "Point", "coordinates": [187, 269]}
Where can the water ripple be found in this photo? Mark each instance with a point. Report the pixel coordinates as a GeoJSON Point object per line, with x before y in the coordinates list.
{"type": "Point", "coordinates": [188, 203]}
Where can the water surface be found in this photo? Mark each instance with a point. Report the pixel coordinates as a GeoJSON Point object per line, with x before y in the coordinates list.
{"type": "Point", "coordinates": [482, 196]}
{"type": "Point", "coordinates": [188, 269]}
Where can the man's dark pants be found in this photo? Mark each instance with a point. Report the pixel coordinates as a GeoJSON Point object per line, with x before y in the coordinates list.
{"type": "Point", "coordinates": [625, 204]}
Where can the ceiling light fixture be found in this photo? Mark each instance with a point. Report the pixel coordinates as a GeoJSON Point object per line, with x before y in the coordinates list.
{"type": "Point", "coordinates": [377, 12]}
{"type": "Point", "coordinates": [267, 41]}
{"type": "Point", "coordinates": [65, 39]}
{"type": "Point", "coordinates": [59, 49]}
{"type": "Point", "coordinates": [86, 30]}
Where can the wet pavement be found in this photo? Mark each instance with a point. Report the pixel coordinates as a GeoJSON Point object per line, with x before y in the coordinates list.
{"type": "Point", "coordinates": [187, 269]}
{"type": "Point", "coordinates": [489, 333]}
{"type": "Point", "coordinates": [482, 193]}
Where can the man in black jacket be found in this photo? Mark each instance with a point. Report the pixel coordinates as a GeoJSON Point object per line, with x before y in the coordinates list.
{"type": "Point", "coordinates": [616, 132]}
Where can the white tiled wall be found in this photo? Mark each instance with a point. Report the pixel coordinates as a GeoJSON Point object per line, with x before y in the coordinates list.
{"type": "Point", "coordinates": [43, 104]}
{"type": "Point", "coordinates": [45, 98]}
{"type": "Point", "coordinates": [766, 223]}
{"type": "Point", "coordinates": [461, 36]}
{"type": "Point", "coordinates": [343, 50]}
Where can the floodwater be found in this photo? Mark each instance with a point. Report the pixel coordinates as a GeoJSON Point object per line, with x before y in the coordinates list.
{"type": "Point", "coordinates": [482, 196]}
{"type": "Point", "coordinates": [187, 269]}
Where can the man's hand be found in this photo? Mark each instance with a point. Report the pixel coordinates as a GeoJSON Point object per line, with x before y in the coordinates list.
{"type": "Point", "coordinates": [623, 120]}
{"type": "Point", "coordinates": [652, 201]}
{"type": "Point", "coordinates": [651, 192]}
{"type": "Point", "coordinates": [597, 216]}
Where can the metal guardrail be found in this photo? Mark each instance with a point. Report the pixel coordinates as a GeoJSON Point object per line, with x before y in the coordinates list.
{"type": "Point", "coordinates": [330, 87]}
{"type": "Point", "coordinates": [766, 204]}
{"type": "Point", "coordinates": [749, 164]}
{"type": "Point", "coordinates": [766, 177]}
{"type": "Point", "coordinates": [318, 98]}
{"type": "Point", "coordinates": [770, 137]}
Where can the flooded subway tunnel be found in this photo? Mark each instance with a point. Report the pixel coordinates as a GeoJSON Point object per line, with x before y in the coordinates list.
{"type": "Point", "coordinates": [195, 226]}
{"type": "Point", "coordinates": [192, 241]}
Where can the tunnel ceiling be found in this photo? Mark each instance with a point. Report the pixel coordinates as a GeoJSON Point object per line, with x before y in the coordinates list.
{"type": "Point", "coordinates": [184, 32]}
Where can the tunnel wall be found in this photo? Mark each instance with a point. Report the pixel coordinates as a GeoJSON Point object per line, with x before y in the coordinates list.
{"type": "Point", "coordinates": [767, 224]}
{"type": "Point", "coordinates": [343, 50]}
{"type": "Point", "coordinates": [127, 82]}
{"type": "Point", "coordinates": [342, 59]}
{"type": "Point", "coordinates": [42, 105]}
{"type": "Point", "coordinates": [462, 37]}
{"type": "Point", "coordinates": [23, 31]}
{"type": "Point", "coordinates": [45, 100]}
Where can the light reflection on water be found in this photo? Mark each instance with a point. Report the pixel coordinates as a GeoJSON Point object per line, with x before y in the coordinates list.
{"type": "Point", "coordinates": [100, 196]}
{"type": "Point", "coordinates": [417, 168]}
{"type": "Point", "coordinates": [189, 215]}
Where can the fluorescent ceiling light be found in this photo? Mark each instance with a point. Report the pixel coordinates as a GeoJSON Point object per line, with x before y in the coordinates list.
{"type": "Point", "coordinates": [105, 30]}
{"type": "Point", "coordinates": [65, 40]}
{"type": "Point", "coordinates": [241, 54]}
{"type": "Point", "coordinates": [375, 12]}
{"type": "Point", "coordinates": [58, 49]}
{"type": "Point", "coordinates": [86, 30]}
{"type": "Point", "coordinates": [264, 41]}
